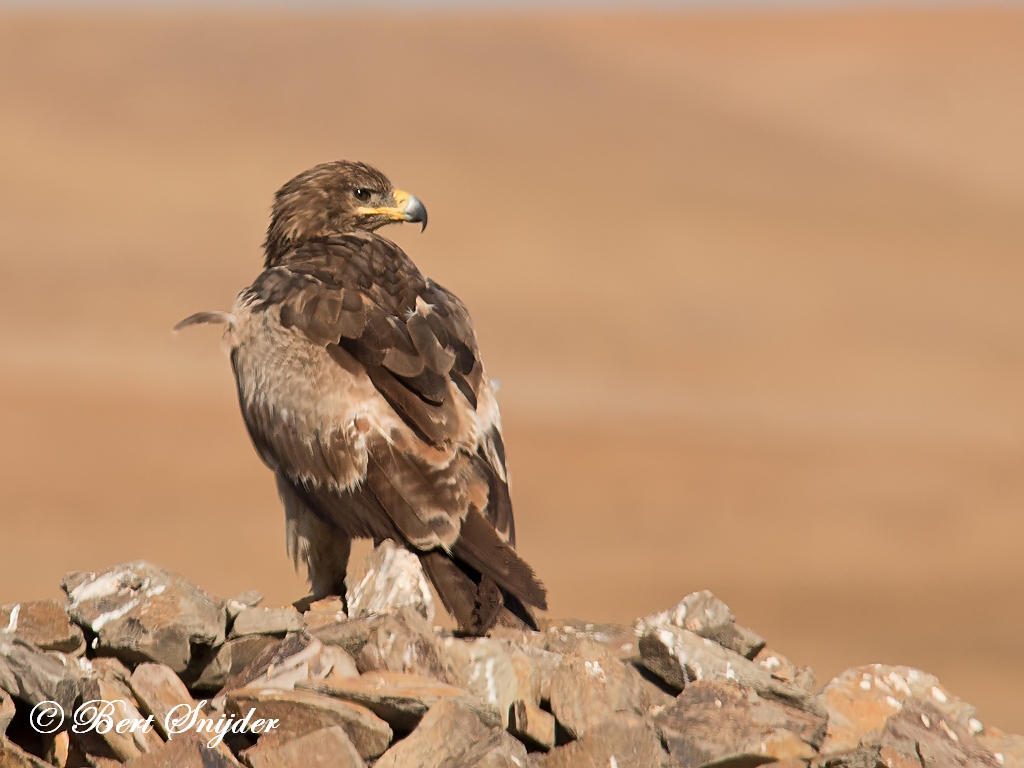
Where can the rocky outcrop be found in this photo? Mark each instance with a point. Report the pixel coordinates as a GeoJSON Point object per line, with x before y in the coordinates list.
{"type": "Point", "coordinates": [168, 675]}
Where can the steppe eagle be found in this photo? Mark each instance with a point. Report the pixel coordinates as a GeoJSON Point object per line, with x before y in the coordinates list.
{"type": "Point", "coordinates": [362, 388]}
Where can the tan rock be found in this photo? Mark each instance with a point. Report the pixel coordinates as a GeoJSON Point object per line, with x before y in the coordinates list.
{"type": "Point", "coordinates": [563, 635]}
{"type": "Point", "coordinates": [12, 756]}
{"type": "Point", "coordinates": [399, 699]}
{"type": "Point", "coordinates": [862, 699]}
{"type": "Point", "coordinates": [302, 712]}
{"type": "Point", "coordinates": [922, 736]}
{"type": "Point", "coordinates": [57, 748]}
{"type": "Point", "coordinates": [532, 725]}
{"type": "Point", "coordinates": [392, 578]}
{"type": "Point", "coordinates": [6, 711]}
{"type": "Point", "coordinates": [706, 616]}
{"type": "Point", "coordinates": [404, 642]}
{"type": "Point", "coordinates": [191, 751]}
{"type": "Point", "coordinates": [714, 721]}
{"type": "Point", "coordinates": [279, 666]}
{"type": "Point", "coordinates": [591, 684]}
{"type": "Point", "coordinates": [266, 621]}
{"type": "Point", "coordinates": [322, 613]}
{"type": "Point", "coordinates": [487, 671]}
{"type": "Point", "coordinates": [107, 697]}
{"type": "Point", "coordinates": [159, 691]}
{"type": "Point", "coordinates": [1007, 750]}
{"type": "Point", "coordinates": [453, 734]}
{"type": "Point", "coordinates": [325, 748]}
{"type": "Point", "coordinates": [248, 599]}
{"type": "Point", "coordinates": [623, 741]}
{"type": "Point", "coordinates": [45, 624]}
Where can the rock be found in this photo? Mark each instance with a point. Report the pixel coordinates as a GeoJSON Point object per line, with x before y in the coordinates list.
{"type": "Point", "coordinates": [453, 734]}
{"type": "Point", "coordinates": [248, 599]}
{"type": "Point", "coordinates": [706, 616]}
{"type": "Point", "coordinates": [1007, 750]}
{"type": "Point", "coordinates": [861, 699]}
{"type": "Point", "coordinates": [106, 698]}
{"type": "Point", "coordinates": [486, 671]}
{"type": "Point", "coordinates": [302, 712]}
{"type": "Point", "coordinates": [623, 741]}
{"type": "Point", "coordinates": [339, 665]}
{"type": "Point", "coordinates": [12, 756]}
{"type": "Point", "coordinates": [680, 657]}
{"type": "Point", "coordinates": [212, 671]}
{"type": "Point", "coordinates": [781, 668]}
{"type": "Point", "coordinates": [404, 642]}
{"type": "Point", "coordinates": [143, 613]}
{"type": "Point", "coordinates": [715, 721]}
{"type": "Point", "coordinates": [922, 736]}
{"type": "Point", "coordinates": [563, 635]}
{"type": "Point", "coordinates": [399, 699]}
{"type": "Point", "coordinates": [6, 711]}
{"type": "Point", "coordinates": [330, 610]}
{"type": "Point", "coordinates": [45, 624]}
{"type": "Point", "coordinates": [531, 725]}
{"type": "Point", "coordinates": [266, 621]}
{"type": "Point", "coordinates": [35, 676]}
{"type": "Point", "coordinates": [392, 578]}
{"type": "Point", "coordinates": [279, 666]}
{"type": "Point", "coordinates": [535, 669]}
{"type": "Point", "coordinates": [324, 748]}
{"type": "Point", "coordinates": [591, 684]}
{"type": "Point", "coordinates": [189, 751]}
{"type": "Point", "coordinates": [158, 691]}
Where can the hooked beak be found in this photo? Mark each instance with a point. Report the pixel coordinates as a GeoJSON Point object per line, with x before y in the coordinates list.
{"type": "Point", "coordinates": [407, 208]}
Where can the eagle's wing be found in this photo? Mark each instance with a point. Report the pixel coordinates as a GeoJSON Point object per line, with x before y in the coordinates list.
{"type": "Point", "coordinates": [438, 481]}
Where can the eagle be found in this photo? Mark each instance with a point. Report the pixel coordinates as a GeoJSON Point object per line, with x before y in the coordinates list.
{"type": "Point", "coordinates": [362, 388]}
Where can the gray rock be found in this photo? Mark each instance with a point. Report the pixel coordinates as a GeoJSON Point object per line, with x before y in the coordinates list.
{"type": "Point", "coordinates": [280, 666]}
{"type": "Point", "coordinates": [212, 671]}
{"type": "Point", "coordinates": [45, 624]}
{"type": "Point", "coordinates": [404, 642]}
{"type": "Point", "coordinates": [248, 599]}
{"type": "Point", "coordinates": [861, 700]}
{"type": "Point", "coordinates": [680, 657]}
{"type": "Point", "coordinates": [325, 748]}
{"type": "Point", "coordinates": [35, 676]}
{"type": "Point", "coordinates": [706, 616]}
{"type": "Point", "coordinates": [302, 712]}
{"type": "Point", "coordinates": [714, 721]}
{"type": "Point", "coordinates": [453, 735]}
{"type": "Point", "coordinates": [623, 741]}
{"type": "Point", "coordinates": [266, 621]}
{"type": "Point", "coordinates": [158, 691]}
{"type": "Point", "coordinates": [591, 684]}
{"type": "Point", "coordinates": [143, 613]}
{"type": "Point", "coordinates": [399, 699]}
{"type": "Point", "coordinates": [392, 578]}
{"type": "Point", "coordinates": [532, 725]}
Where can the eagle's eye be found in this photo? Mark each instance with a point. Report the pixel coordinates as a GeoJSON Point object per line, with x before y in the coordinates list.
{"type": "Point", "coordinates": [362, 195]}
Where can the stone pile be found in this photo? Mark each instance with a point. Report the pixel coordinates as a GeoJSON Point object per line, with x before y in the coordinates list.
{"type": "Point", "coordinates": [316, 686]}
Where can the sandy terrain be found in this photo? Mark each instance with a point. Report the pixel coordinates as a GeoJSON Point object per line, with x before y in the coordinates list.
{"type": "Point", "coordinates": [751, 283]}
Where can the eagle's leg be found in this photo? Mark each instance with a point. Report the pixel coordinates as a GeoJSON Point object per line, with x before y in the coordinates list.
{"type": "Point", "coordinates": [316, 545]}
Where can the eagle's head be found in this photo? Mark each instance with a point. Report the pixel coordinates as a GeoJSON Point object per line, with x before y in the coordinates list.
{"type": "Point", "coordinates": [332, 199]}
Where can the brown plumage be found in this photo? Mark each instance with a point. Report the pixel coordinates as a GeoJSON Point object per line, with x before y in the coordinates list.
{"type": "Point", "coordinates": [362, 387]}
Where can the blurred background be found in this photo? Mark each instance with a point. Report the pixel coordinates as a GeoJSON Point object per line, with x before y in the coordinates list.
{"type": "Point", "coordinates": [751, 280]}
